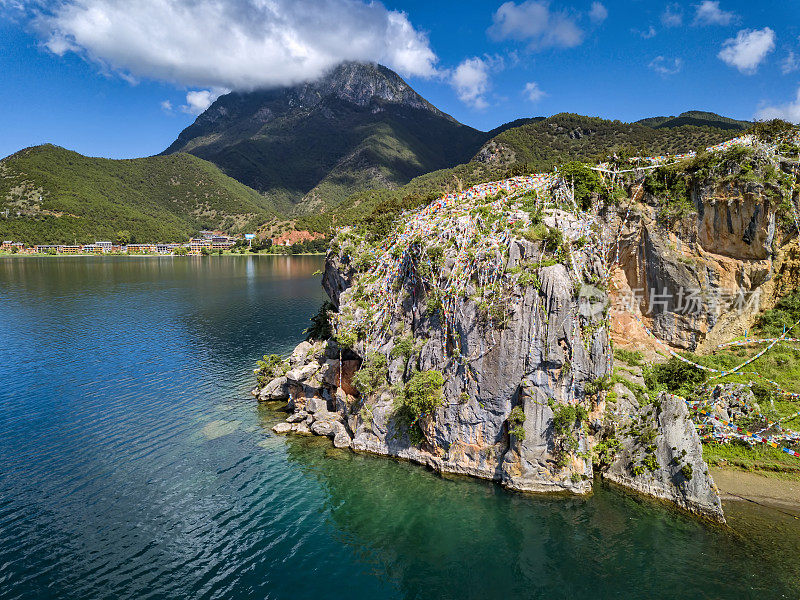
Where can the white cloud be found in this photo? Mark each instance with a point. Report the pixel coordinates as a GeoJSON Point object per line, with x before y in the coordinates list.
{"type": "Point", "coordinates": [166, 106]}
{"type": "Point", "coordinates": [532, 21]}
{"type": "Point", "coordinates": [533, 92]}
{"type": "Point", "coordinates": [650, 33]}
{"type": "Point", "coordinates": [666, 66]}
{"type": "Point", "coordinates": [748, 49]}
{"type": "Point", "coordinates": [12, 6]}
{"type": "Point", "coordinates": [708, 12]}
{"type": "Point", "coordinates": [198, 101]}
{"type": "Point", "coordinates": [598, 13]}
{"type": "Point", "coordinates": [239, 44]}
{"type": "Point", "coordinates": [471, 82]}
{"type": "Point", "coordinates": [787, 112]}
{"type": "Point", "coordinates": [672, 16]}
{"type": "Point", "coordinates": [790, 64]}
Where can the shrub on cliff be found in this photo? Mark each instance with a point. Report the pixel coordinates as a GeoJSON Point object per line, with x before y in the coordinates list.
{"type": "Point", "coordinates": [674, 376]}
{"type": "Point", "coordinates": [320, 328]}
{"type": "Point", "coordinates": [585, 181]}
{"type": "Point", "coordinates": [403, 347]}
{"type": "Point", "coordinates": [421, 395]}
{"type": "Point", "coordinates": [371, 375]}
{"type": "Point", "coordinates": [596, 386]}
{"type": "Point", "coordinates": [785, 314]}
{"type": "Point", "coordinates": [516, 423]}
{"type": "Point", "coordinates": [270, 367]}
{"type": "Point", "coordinates": [565, 419]}
{"type": "Point", "coordinates": [770, 130]}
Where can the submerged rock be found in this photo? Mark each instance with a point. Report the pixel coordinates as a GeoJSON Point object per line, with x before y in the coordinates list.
{"type": "Point", "coordinates": [282, 427]}
{"type": "Point", "coordinates": [219, 428]}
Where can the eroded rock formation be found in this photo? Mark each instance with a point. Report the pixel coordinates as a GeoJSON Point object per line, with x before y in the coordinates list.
{"type": "Point", "coordinates": [542, 362]}
{"type": "Point", "coordinates": [700, 278]}
{"type": "Point", "coordinates": [475, 340]}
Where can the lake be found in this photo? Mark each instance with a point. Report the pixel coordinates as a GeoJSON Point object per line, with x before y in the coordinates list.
{"type": "Point", "coordinates": [134, 463]}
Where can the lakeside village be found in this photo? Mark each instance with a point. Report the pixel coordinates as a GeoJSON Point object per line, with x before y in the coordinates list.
{"type": "Point", "coordinates": [205, 244]}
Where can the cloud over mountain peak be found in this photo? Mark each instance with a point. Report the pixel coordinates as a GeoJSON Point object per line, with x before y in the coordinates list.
{"type": "Point", "coordinates": [235, 44]}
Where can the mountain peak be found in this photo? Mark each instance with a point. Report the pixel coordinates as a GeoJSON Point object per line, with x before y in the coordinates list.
{"type": "Point", "coordinates": [363, 83]}
{"type": "Point", "coordinates": [359, 126]}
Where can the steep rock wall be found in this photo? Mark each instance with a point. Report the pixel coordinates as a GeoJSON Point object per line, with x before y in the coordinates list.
{"type": "Point", "coordinates": [541, 361]}
{"type": "Point", "coordinates": [702, 279]}
{"type": "Point", "coordinates": [539, 356]}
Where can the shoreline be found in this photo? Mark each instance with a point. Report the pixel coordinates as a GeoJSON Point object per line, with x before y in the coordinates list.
{"type": "Point", "coordinates": [735, 485]}
{"type": "Point", "coordinates": [157, 255]}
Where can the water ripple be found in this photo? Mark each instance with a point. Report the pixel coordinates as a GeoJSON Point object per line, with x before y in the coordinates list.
{"type": "Point", "coordinates": [135, 464]}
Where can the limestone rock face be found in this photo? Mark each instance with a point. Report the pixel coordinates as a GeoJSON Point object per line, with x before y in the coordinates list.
{"type": "Point", "coordinates": [542, 356]}
{"type": "Point", "coordinates": [337, 277]}
{"type": "Point", "coordinates": [539, 363]}
{"type": "Point", "coordinates": [299, 354]}
{"type": "Point", "coordinates": [661, 456]}
{"type": "Point", "coordinates": [277, 389]}
{"type": "Point", "coordinates": [701, 279]}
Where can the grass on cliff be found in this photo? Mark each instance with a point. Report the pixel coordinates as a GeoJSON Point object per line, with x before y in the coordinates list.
{"type": "Point", "coordinates": [781, 364]}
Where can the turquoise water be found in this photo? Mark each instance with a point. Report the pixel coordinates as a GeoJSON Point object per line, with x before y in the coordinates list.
{"type": "Point", "coordinates": [135, 464]}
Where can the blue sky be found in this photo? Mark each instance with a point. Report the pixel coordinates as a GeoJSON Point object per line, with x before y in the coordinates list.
{"type": "Point", "coordinates": [120, 79]}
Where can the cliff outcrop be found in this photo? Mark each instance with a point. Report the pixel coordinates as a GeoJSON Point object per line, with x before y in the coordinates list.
{"type": "Point", "coordinates": [700, 249]}
{"type": "Point", "coordinates": [475, 340]}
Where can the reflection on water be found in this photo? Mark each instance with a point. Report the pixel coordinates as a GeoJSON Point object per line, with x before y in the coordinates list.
{"type": "Point", "coordinates": [135, 464]}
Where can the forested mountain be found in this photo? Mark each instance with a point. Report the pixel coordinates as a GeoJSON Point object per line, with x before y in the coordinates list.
{"type": "Point", "coordinates": [310, 146]}
{"type": "Point", "coordinates": [52, 195]}
{"type": "Point", "coordinates": [536, 145]}
{"type": "Point", "coordinates": [543, 143]}
{"type": "Point", "coordinates": [698, 118]}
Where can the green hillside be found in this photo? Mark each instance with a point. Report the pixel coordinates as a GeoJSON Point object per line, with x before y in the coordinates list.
{"type": "Point", "coordinates": [310, 146]}
{"type": "Point", "coordinates": [697, 118]}
{"type": "Point", "coordinates": [53, 195]}
{"type": "Point", "coordinates": [563, 137]}
{"type": "Point", "coordinates": [536, 146]}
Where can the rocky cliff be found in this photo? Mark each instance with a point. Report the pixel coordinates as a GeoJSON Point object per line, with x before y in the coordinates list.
{"type": "Point", "coordinates": [538, 360]}
{"type": "Point", "coordinates": [700, 249]}
{"type": "Point", "coordinates": [476, 341]}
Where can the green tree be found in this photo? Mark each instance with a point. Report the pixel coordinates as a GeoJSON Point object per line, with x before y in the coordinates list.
{"type": "Point", "coordinates": [421, 396]}
{"type": "Point", "coordinates": [320, 328]}
{"type": "Point", "coordinates": [123, 237]}
{"type": "Point", "coordinates": [585, 181]}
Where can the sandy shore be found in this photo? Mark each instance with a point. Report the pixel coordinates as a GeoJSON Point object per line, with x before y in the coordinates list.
{"type": "Point", "coordinates": [769, 491]}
